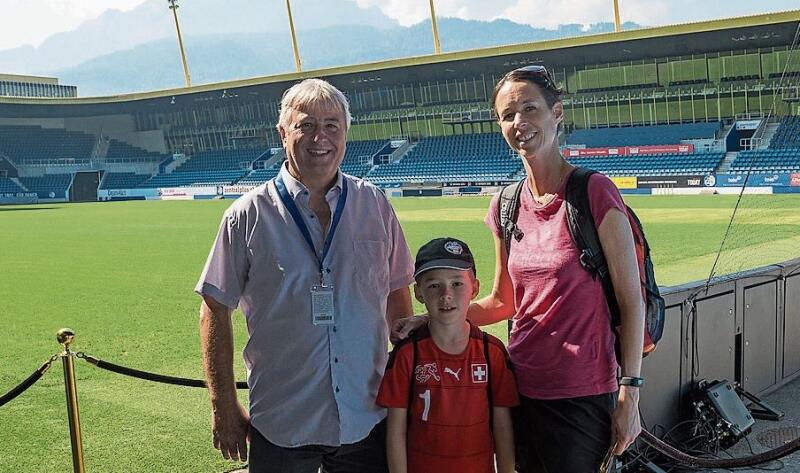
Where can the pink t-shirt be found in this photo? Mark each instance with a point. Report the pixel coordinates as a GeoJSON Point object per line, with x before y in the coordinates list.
{"type": "Point", "coordinates": [561, 343]}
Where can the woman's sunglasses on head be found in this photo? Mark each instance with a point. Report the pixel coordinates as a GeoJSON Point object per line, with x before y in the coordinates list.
{"type": "Point", "coordinates": [536, 72]}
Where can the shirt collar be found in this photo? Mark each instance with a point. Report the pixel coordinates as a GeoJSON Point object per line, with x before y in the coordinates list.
{"type": "Point", "coordinates": [297, 188]}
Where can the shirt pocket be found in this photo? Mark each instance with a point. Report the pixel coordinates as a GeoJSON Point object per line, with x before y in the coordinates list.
{"type": "Point", "coordinates": [371, 264]}
{"type": "Point", "coordinates": [266, 281]}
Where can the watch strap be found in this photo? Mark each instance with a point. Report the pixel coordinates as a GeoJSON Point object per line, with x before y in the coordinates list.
{"type": "Point", "coordinates": [632, 381]}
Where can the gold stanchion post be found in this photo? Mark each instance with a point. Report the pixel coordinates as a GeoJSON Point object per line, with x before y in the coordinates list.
{"type": "Point", "coordinates": [65, 337]}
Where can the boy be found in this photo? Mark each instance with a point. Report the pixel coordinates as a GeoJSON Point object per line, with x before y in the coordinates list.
{"type": "Point", "coordinates": [449, 386]}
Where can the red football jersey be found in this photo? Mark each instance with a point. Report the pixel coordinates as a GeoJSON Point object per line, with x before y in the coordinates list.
{"type": "Point", "coordinates": [448, 428]}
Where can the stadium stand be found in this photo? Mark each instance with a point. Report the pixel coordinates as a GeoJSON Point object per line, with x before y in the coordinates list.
{"type": "Point", "coordinates": [260, 176]}
{"type": "Point", "coordinates": [787, 135]}
{"type": "Point", "coordinates": [7, 186]}
{"type": "Point", "coordinates": [194, 178]}
{"type": "Point", "coordinates": [36, 145]}
{"type": "Point", "coordinates": [57, 184]}
{"type": "Point", "coordinates": [643, 135]}
{"type": "Point", "coordinates": [688, 82]}
{"type": "Point", "coordinates": [220, 160]}
{"type": "Point", "coordinates": [121, 152]}
{"type": "Point", "coordinates": [782, 155]}
{"type": "Point", "coordinates": [208, 168]}
{"type": "Point", "coordinates": [358, 159]}
{"type": "Point", "coordinates": [477, 157]}
{"type": "Point", "coordinates": [669, 164]}
{"type": "Point", "coordinates": [122, 180]}
{"type": "Point", "coordinates": [768, 160]}
{"type": "Point", "coordinates": [614, 88]}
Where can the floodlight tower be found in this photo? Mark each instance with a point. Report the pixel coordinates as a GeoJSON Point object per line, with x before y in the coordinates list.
{"type": "Point", "coordinates": [297, 63]}
{"type": "Point", "coordinates": [173, 5]}
{"type": "Point", "coordinates": [436, 47]}
{"type": "Point", "coordinates": [617, 24]}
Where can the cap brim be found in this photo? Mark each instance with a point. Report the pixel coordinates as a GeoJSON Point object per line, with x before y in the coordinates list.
{"type": "Point", "coordinates": [443, 264]}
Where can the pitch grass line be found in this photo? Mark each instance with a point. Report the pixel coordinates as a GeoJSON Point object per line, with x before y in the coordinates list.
{"type": "Point", "coordinates": [121, 274]}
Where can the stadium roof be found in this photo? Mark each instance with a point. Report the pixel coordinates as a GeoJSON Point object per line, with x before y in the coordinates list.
{"type": "Point", "coordinates": [28, 79]}
{"type": "Point", "coordinates": [749, 32]}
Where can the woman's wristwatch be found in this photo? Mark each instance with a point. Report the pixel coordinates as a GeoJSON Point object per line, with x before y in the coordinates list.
{"type": "Point", "coordinates": [631, 381]}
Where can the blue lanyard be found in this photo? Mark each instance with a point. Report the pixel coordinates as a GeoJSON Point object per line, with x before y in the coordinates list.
{"type": "Point", "coordinates": [301, 224]}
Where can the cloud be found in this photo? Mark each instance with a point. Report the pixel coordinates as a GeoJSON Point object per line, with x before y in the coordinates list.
{"type": "Point", "coordinates": [32, 21]}
{"type": "Point", "coordinates": [537, 13]}
{"type": "Point", "coordinates": [410, 12]}
{"type": "Point", "coordinates": [551, 13]}
{"type": "Point", "coordinates": [86, 9]}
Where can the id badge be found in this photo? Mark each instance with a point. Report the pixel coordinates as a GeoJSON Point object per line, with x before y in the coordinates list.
{"type": "Point", "coordinates": [322, 311]}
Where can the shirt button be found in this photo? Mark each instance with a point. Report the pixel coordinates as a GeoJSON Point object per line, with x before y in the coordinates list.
{"type": "Point", "coordinates": [337, 389]}
{"type": "Point", "coordinates": [334, 329]}
{"type": "Point", "coordinates": [311, 217]}
{"type": "Point", "coordinates": [336, 360]}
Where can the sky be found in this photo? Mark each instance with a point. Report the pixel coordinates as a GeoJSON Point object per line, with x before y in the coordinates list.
{"type": "Point", "coordinates": [32, 21]}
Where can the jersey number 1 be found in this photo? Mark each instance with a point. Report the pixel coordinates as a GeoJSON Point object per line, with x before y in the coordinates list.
{"type": "Point", "coordinates": [426, 396]}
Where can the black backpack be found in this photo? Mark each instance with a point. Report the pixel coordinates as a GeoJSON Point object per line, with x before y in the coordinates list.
{"type": "Point", "coordinates": [583, 232]}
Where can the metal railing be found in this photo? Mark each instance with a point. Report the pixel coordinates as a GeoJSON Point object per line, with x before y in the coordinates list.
{"type": "Point", "coordinates": [65, 337]}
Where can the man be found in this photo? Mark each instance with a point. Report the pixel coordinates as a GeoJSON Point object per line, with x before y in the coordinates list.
{"type": "Point", "coordinates": [318, 264]}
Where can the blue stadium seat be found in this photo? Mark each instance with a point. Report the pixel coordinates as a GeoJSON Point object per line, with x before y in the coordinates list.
{"type": "Point", "coordinates": [37, 145]}
{"type": "Point", "coordinates": [768, 160]}
{"type": "Point", "coordinates": [653, 164]}
{"type": "Point", "coordinates": [457, 158]}
{"type": "Point", "coordinates": [121, 152]}
{"type": "Point", "coordinates": [787, 135]}
{"type": "Point", "coordinates": [122, 180]}
{"type": "Point", "coordinates": [7, 186]}
{"type": "Point", "coordinates": [643, 135]}
{"type": "Point", "coordinates": [57, 184]}
{"type": "Point", "coordinates": [208, 168]}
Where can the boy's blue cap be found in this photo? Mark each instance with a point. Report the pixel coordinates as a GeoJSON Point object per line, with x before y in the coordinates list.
{"type": "Point", "coordinates": [448, 253]}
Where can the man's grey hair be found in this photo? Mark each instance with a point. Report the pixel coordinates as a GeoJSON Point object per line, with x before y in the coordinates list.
{"type": "Point", "coordinates": [308, 92]}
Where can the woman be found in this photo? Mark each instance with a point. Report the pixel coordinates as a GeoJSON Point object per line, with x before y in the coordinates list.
{"type": "Point", "coordinates": [561, 342]}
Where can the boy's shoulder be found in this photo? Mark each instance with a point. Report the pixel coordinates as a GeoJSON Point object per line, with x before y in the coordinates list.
{"type": "Point", "coordinates": [477, 332]}
{"type": "Point", "coordinates": [406, 345]}
{"type": "Point", "coordinates": [495, 344]}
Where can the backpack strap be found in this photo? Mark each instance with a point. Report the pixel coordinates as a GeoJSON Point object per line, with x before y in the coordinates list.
{"type": "Point", "coordinates": [413, 336]}
{"type": "Point", "coordinates": [584, 233]}
{"type": "Point", "coordinates": [581, 223]}
{"type": "Point", "coordinates": [489, 394]}
{"type": "Point", "coordinates": [508, 211]}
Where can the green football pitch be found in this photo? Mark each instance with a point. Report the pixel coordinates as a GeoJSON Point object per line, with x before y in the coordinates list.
{"type": "Point", "coordinates": [121, 275]}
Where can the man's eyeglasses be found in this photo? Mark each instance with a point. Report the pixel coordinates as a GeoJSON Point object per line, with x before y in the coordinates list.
{"type": "Point", "coordinates": [535, 72]}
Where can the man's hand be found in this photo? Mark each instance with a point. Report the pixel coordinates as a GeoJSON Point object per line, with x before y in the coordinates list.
{"type": "Point", "coordinates": [401, 328]}
{"type": "Point", "coordinates": [626, 425]}
{"type": "Point", "coordinates": [230, 426]}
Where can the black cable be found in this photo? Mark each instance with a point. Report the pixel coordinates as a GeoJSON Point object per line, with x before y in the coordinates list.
{"type": "Point", "coordinates": [696, 462]}
{"type": "Point", "coordinates": [155, 377]}
{"type": "Point", "coordinates": [27, 383]}
{"type": "Point", "coordinates": [693, 453]}
{"type": "Point", "coordinates": [20, 388]}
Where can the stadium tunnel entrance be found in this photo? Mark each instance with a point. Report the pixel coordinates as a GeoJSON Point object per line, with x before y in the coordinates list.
{"type": "Point", "coordinates": [84, 186]}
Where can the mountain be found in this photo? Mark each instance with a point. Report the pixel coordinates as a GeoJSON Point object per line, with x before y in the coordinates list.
{"type": "Point", "coordinates": [218, 57]}
{"type": "Point", "coordinates": [115, 30]}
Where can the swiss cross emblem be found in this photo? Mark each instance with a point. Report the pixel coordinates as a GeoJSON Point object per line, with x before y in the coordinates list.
{"type": "Point", "coordinates": [480, 373]}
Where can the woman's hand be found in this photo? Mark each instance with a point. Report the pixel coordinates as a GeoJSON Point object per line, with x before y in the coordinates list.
{"type": "Point", "coordinates": [626, 425]}
{"type": "Point", "coordinates": [402, 327]}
